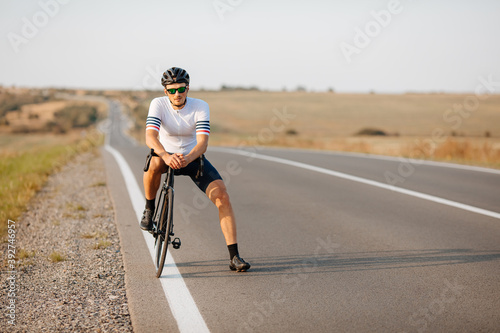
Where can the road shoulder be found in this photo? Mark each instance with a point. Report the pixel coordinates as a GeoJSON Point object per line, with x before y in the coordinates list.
{"type": "Point", "coordinates": [149, 310]}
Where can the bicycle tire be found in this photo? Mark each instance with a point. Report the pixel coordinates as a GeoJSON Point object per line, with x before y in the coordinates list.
{"type": "Point", "coordinates": [164, 236]}
{"type": "Point", "coordinates": [159, 225]}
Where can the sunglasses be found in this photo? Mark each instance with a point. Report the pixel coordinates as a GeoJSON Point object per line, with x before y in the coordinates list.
{"type": "Point", "coordinates": [173, 90]}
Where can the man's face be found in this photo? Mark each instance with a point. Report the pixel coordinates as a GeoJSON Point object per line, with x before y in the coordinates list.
{"type": "Point", "coordinates": [177, 98]}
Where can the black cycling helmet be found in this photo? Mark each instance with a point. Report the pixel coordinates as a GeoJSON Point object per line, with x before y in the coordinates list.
{"type": "Point", "coordinates": [175, 75]}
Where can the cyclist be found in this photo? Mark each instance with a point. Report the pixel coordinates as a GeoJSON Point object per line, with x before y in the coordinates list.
{"type": "Point", "coordinates": [177, 128]}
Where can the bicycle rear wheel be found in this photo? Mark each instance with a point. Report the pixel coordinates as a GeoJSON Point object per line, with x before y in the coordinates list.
{"type": "Point", "coordinates": [164, 234]}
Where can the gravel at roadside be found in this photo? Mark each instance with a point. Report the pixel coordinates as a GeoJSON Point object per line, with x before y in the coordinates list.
{"type": "Point", "coordinates": [69, 275]}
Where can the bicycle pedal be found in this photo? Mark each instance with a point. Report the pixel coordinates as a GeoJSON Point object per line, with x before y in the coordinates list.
{"type": "Point", "coordinates": [176, 243]}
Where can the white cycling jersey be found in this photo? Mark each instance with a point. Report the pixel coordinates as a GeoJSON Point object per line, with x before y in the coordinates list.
{"type": "Point", "coordinates": [178, 128]}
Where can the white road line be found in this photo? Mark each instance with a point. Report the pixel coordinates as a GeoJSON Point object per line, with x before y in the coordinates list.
{"type": "Point", "coordinates": [179, 298]}
{"type": "Point", "coordinates": [393, 158]}
{"type": "Point", "coordinates": [360, 180]}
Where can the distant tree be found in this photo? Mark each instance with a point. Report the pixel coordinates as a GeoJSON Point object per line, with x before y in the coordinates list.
{"type": "Point", "coordinates": [76, 116]}
{"type": "Point", "coordinates": [371, 132]}
{"type": "Point", "coordinates": [233, 88]}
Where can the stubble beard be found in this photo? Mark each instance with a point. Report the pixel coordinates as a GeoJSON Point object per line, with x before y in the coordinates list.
{"type": "Point", "coordinates": [178, 103]}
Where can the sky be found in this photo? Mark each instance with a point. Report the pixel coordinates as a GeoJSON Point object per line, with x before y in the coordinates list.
{"type": "Point", "coordinates": [385, 46]}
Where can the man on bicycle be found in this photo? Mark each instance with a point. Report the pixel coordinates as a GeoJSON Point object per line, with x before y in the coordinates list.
{"type": "Point", "coordinates": [177, 128]}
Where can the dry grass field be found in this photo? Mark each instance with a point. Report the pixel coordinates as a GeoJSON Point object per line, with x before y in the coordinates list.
{"type": "Point", "coordinates": [433, 126]}
{"type": "Point", "coordinates": [327, 114]}
{"type": "Point", "coordinates": [38, 117]}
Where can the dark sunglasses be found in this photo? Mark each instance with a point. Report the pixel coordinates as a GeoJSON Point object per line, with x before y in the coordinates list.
{"type": "Point", "coordinates": [173, 90]}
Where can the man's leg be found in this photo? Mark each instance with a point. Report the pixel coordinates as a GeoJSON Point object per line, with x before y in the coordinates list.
{"type": "Point", "coordinates": [152, 177]}
{"type": "Point", "coordinates": [217, 192]}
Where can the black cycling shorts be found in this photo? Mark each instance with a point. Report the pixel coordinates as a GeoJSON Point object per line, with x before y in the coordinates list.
{"type": "Point", "coordinates": [210, 173]}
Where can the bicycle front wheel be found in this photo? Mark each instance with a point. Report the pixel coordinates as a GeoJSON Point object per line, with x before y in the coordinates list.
{"type": "Point", "coordinates": [164, 236]}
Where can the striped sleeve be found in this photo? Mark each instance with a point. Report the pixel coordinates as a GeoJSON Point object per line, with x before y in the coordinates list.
{"type": "Point", "coordinates": [203, 127]}
{"type": "Point", "coordinates": [153, 123]}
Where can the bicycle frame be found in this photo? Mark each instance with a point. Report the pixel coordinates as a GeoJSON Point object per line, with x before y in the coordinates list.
{"type": "Point", "coordinates": [168, 183]}
{"type": "Point", "coordinates": [169, 180]}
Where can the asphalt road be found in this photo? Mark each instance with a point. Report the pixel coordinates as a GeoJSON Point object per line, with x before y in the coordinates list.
{"type": "Point", "coordinates": [328, 254]}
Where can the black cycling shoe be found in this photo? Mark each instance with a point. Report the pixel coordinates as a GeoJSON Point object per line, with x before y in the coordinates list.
{"type": "Point", "coordinates": [238, 264]}
{"type": "Point", "coordinates": [147, 220]}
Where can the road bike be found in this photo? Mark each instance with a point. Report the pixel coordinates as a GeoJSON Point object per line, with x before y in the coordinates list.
{"type": "Point", "coordinates": [163, 222]}
{"type": "Point", "coordinates": [163, 218]}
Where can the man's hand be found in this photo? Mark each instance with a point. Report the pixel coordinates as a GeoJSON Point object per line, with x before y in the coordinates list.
{"type": "Point", "coordinates": [188, 159]}
{"type": "Point", "coordinates": [175, 161]}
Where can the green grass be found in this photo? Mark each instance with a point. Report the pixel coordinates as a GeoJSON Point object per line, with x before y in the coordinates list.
{"type": "Point", "coordinates": [76, 207]}
{"type": "Point", "coordinates": [23, 254]}
{"type": "Point", "coordinates": [57, 257]}
{"type": "Point", "coordinates": [95, 234]}
{"type": "Point", "coordinates": [24, 171]}
{"type": "Point", "coordinates": [87, 235]}
{"type": "Point", "coordinates": [101, 236]}
{"type": "Point", "coordinates": [102, 244]}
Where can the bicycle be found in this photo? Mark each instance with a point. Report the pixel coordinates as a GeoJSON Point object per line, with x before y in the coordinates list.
{"type": "Point", "coordinates": [163, 224]}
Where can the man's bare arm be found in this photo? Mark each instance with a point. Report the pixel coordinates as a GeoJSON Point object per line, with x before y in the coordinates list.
{"type": "Point", "coordinates": [199, 149]}
{"type": "Point", "coordinates": [175, 161]}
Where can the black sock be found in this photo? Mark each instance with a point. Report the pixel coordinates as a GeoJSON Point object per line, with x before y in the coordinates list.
{"type": "Point", "coordinates": [233, 250]}
{"type": "Point", "coordinates": [150, 204]}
